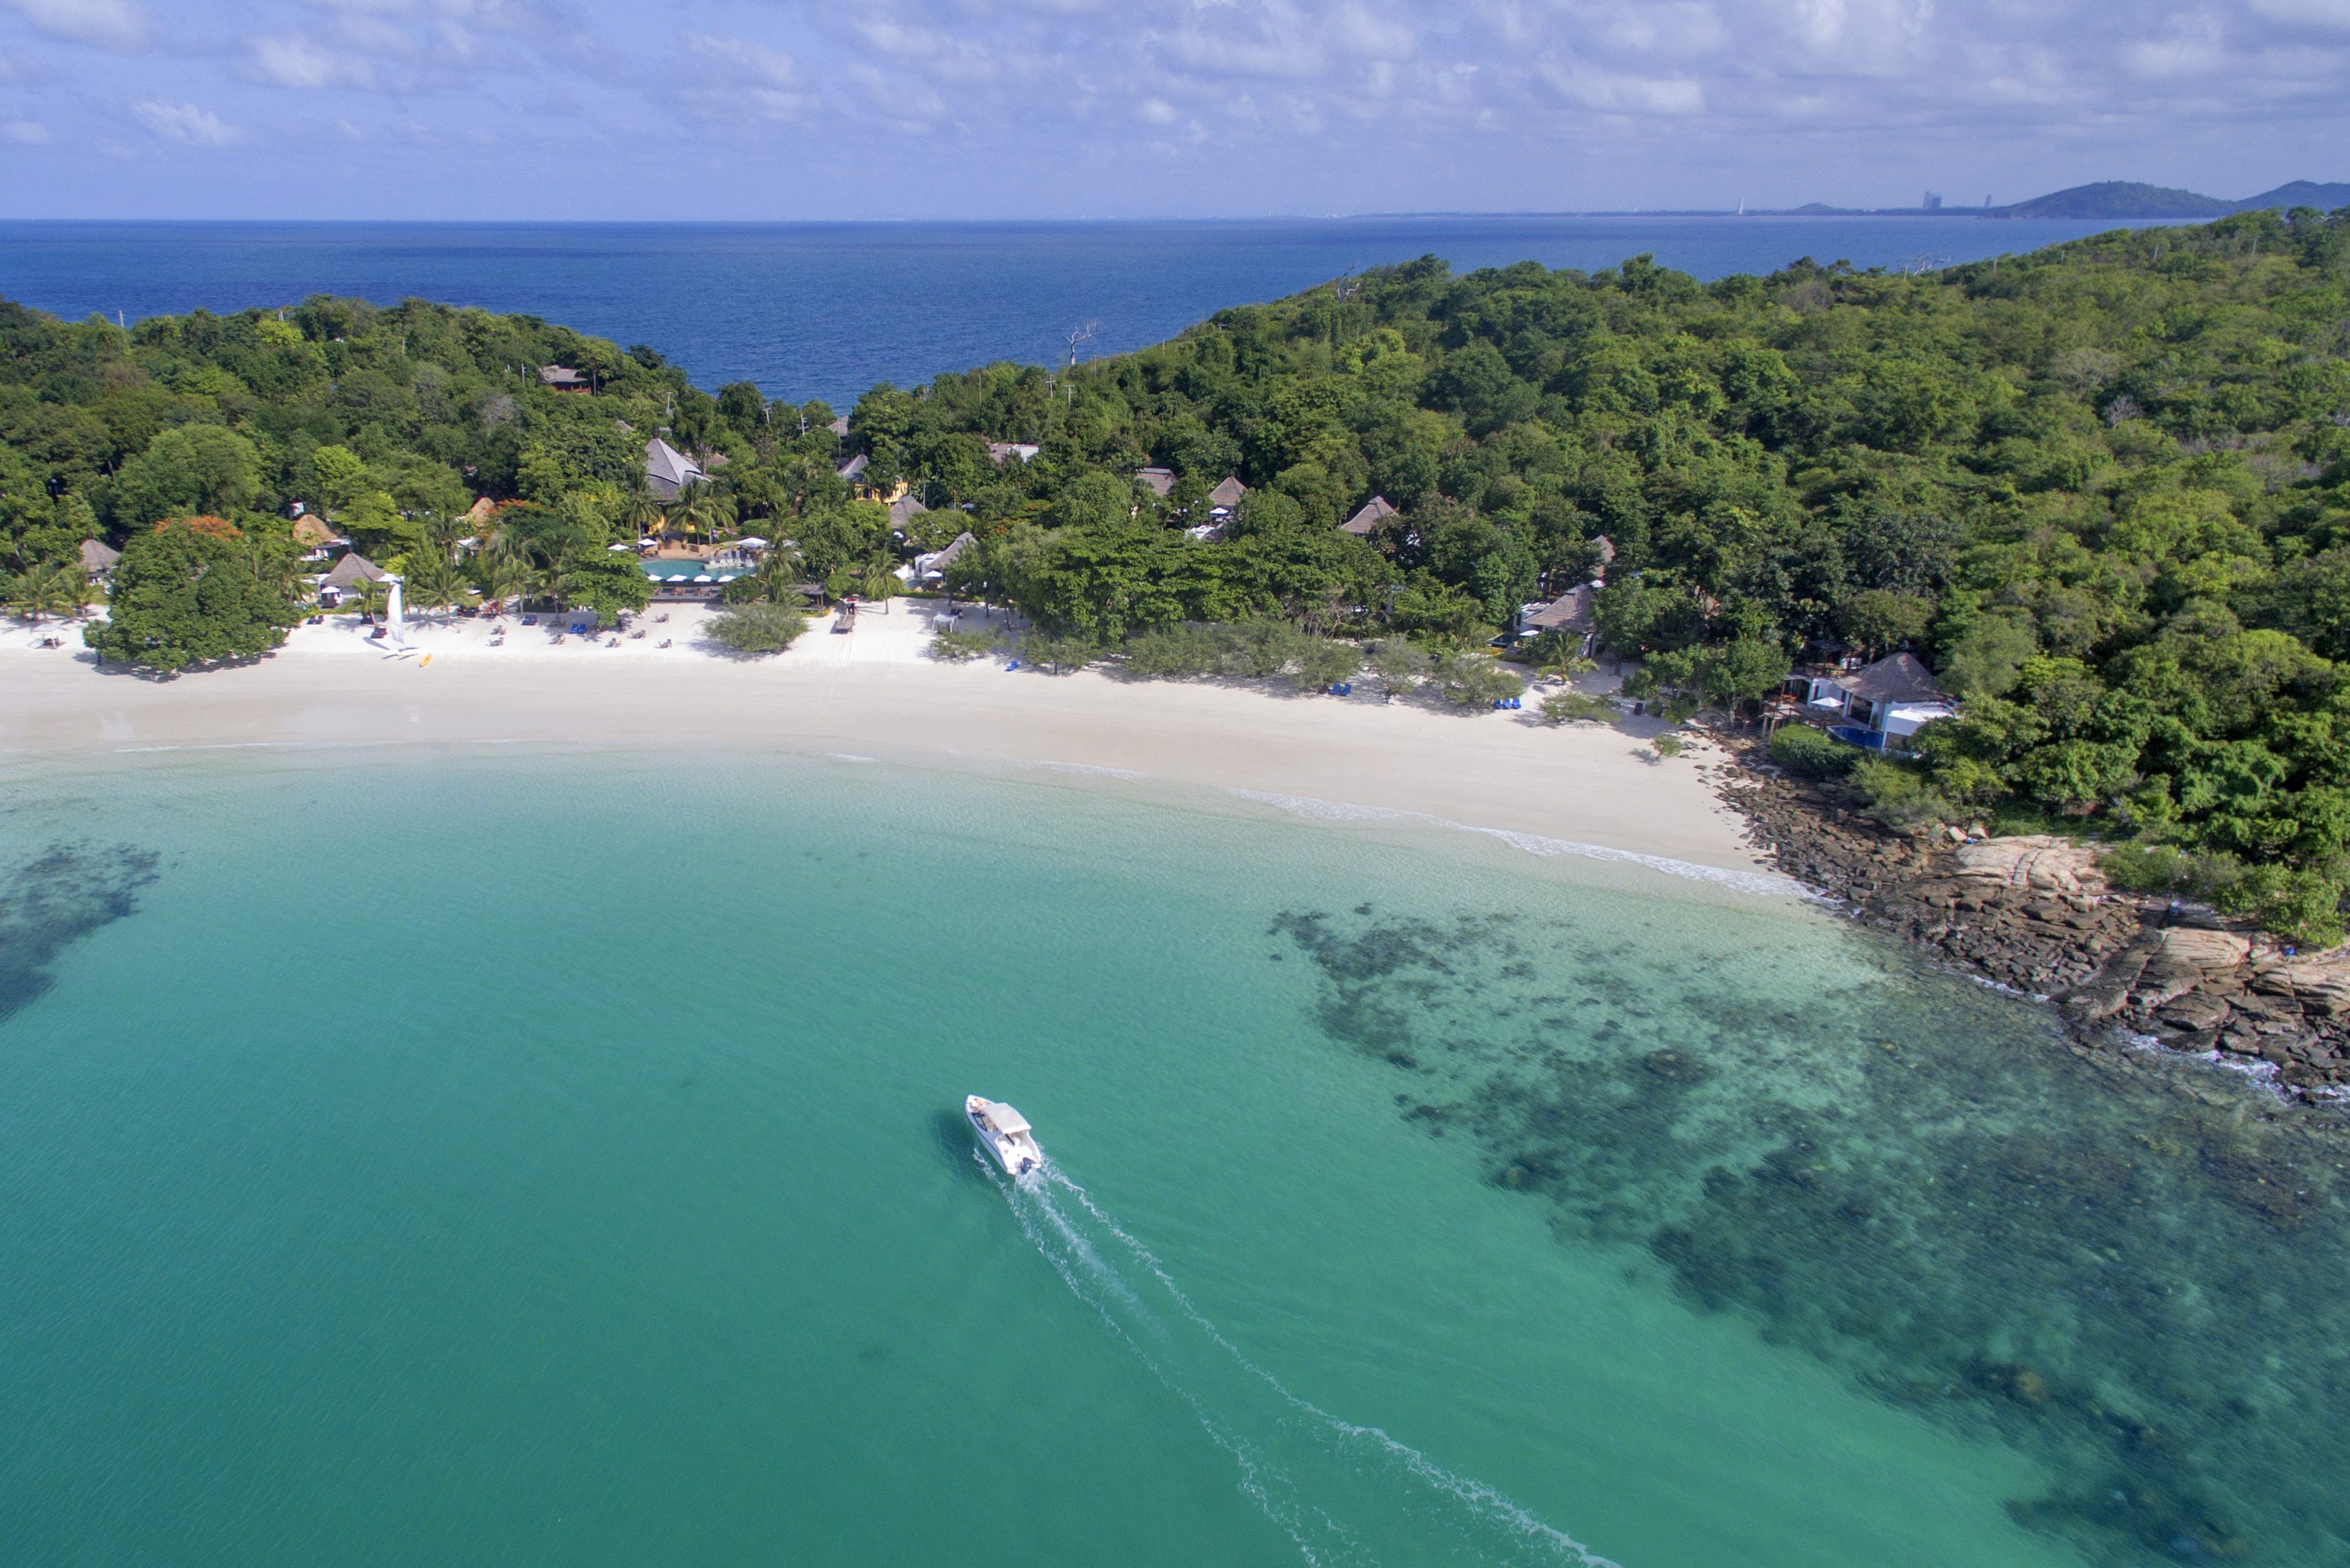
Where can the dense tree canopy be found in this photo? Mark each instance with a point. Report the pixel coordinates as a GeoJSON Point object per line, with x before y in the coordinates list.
{"type": "Point", "coordinates": [196, 592]}
{"type": "Point", "coordinates": [2104, 489]}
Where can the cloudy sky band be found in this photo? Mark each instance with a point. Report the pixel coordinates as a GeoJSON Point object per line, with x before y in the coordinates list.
{"type": "Point", "coordinates": [789, 109]}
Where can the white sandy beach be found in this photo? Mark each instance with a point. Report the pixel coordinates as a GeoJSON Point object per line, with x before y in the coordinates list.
{"type": "Point", "coordinates": [874, 693]}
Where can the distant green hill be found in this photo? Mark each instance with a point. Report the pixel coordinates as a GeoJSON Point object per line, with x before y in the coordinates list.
{"type": "Point", "coordinates": [2132, 199]}
{"type": "Point", "coordinates": [2300, 194]}
{"type": "Point", "coordinates": [2118, 199]}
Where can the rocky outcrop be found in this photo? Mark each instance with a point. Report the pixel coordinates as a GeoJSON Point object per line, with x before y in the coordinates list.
{"type": "Point", "coordinates": [2040, 864]}
{"type": "Point", "coordinates": [2036, 915]}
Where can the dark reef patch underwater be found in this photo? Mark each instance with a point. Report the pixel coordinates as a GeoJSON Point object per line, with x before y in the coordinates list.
{"type": "Point", "coordinates": [2134, 1270]}
{"type": "Point", "coordinates": [53, 900]}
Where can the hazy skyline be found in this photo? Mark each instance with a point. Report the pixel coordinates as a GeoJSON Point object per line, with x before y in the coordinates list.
{"type": "Point", "coordinates": [779, 110]}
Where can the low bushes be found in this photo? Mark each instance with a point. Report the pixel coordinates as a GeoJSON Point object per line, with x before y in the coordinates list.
{"type": "Point", "coordinates": [758, 629]}
{"type": "Point", "coordinates": [2301, 906]}
{"type": "Point", "coordinates": [1249, 651]}
{"type": "Point", "coordinates": [956, 647]}
{"type": "Point", "coordinates": [1577, 708]}
{"type": "Point", "coordinates": [1810, 753]}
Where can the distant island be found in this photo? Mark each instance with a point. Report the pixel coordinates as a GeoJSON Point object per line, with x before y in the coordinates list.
{"type": "Point", "coordinates": [2130, 199]}
{"type": "Point", "coordinates": [2121, 200]}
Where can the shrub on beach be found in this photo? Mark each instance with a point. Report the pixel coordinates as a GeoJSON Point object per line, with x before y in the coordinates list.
{"type": "Point", "coordinates": [762, 628]}
{"type": "Point", "coordinates": [1577, 708]}
{"type": "Point", "coordinates": [956, 647]}
{"type": "Point", "coordinates": [1812, 753]}
{"type": "Point", "coordinates": [1059, 654]}
{"type": "Point", "coordinates": [1472, 680]}
{"type": "Point", "coordinates": [1244, 650]}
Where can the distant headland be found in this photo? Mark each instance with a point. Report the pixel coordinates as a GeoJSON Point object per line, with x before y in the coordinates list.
{"type": "Point", "coordinates": [2122, 200]}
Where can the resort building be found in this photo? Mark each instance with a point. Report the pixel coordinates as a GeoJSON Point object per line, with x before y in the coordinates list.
{"type": "Point", "coordinates": [1878, 707]}
{"type": "Point", "coordinates": [1225, 498]}
{"type": "Point", "coordinates": [1000, 452]}
{"type": "Point", "coordinates": [97, 559]}
{"type": "Point", "coordinates": [1160, 481]}
{"type": "Point", "coordinates": [563, 378]}
{"type": "Point", "coordinates": [1363, 523]}
{"type": "Point", "coordinates": [1892, 700]}
{"type": "Point", "coordinates": [669, 471]}
{"type": "Point", "coordinates": [1570, 614]}
{"type": "Point", "coordinates": [931, 565]}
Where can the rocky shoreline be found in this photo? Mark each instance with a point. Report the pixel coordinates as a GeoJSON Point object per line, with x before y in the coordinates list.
{"type": "Point", "coordinates": [2035, 916]}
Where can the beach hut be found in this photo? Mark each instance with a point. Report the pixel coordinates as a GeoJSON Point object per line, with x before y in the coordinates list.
{"type": "Point", "coordinates": [853, 470]}
{"type": "Point", "coordinates": [1160, 481]}
{"type": "Point", "coordinates": [97, 559]}
{"type": "Point", "coordinates": [344, 581]}
{"type": "Point", "coordinates": [1225, 498]}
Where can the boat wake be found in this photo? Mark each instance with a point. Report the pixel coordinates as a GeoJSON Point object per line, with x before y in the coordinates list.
{"type": "Point", "coordinates": [1345, 1494]}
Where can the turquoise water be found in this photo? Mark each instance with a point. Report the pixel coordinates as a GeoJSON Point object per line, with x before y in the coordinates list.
{"type": "Point", "coordinates": [401, 1162]}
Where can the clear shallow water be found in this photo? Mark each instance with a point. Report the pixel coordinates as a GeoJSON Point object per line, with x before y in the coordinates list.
{"type": "Point", "coordinates": [401, 1162]}
{"type": "Point", "coordinates": [810, 310]}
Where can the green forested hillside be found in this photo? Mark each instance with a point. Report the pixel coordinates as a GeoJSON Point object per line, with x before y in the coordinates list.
{"type": "Point", "coordinates": [2105, 490]}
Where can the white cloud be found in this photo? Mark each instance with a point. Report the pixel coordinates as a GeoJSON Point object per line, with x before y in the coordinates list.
{"type": "Point", "coordinates": [108, 24]}
{"type": "Point", "coordinates": [182, 123]}
{"type": "Point", "coordinates": [26, 132]}
{"type": "Point", "coordinates": [1155, 111]}
{"type": "Point", "coordinates": [747, 60]}
{"type": "Point", "coordinates": [293, 61]}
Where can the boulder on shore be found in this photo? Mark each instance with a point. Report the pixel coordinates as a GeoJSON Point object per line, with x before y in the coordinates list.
{"type": "Point", "coordinates": [2036, 861]}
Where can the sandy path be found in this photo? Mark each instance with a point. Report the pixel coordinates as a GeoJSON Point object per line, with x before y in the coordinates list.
{"type": "Point", "coordinates": [873, 693]}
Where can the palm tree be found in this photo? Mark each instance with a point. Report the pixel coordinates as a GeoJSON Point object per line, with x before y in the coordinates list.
{"type": "Point", "coordinates": [505, 578]}
{"type": "Point", "coordinates": [372, 596]}
{"type": "Point", "coordinates": [701, 509]}
{"type": "Point", "coordinates": [53, 590]}
{"type": "Point", "coordinates": [642, 512]}
{"type": "Point", "coordinates": [877, 582]}
{"type": "Point", "coordinates": [434, 581]}
{"type": "Point", "coordinates": [442, 533]}
{"type": "Point", "coordinates": [778, 575]}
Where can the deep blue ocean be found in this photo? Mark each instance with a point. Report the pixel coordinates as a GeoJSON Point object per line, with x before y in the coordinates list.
{"type": "Point", "coordinates": [826, 310]}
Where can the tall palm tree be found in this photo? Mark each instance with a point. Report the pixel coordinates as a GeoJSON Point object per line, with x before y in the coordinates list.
{"type": "Point", "coordinates": [642, 514]}
{"type": "Point", "coordinates": [778, 575]}
{"type": "Point", "coordinates": [702, 509]}
{"type": "Point", "coordinates": [434, 581]}
{"type": "Point", "coordinates": [442, 533]}
{"type": "Point", "coordinates": [372, 596]}
{"type": "Point", "coordinates": [877, 582]}
{"type": "Point", "coordinates": [505, 578]}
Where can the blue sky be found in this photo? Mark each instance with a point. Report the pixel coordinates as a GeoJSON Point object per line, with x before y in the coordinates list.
{"type": "Point", "coordinates": [781, 108]}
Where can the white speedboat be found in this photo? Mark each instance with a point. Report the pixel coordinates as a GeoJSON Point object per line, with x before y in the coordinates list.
{"type": "Point", "coordinates": [1003, 1133]}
